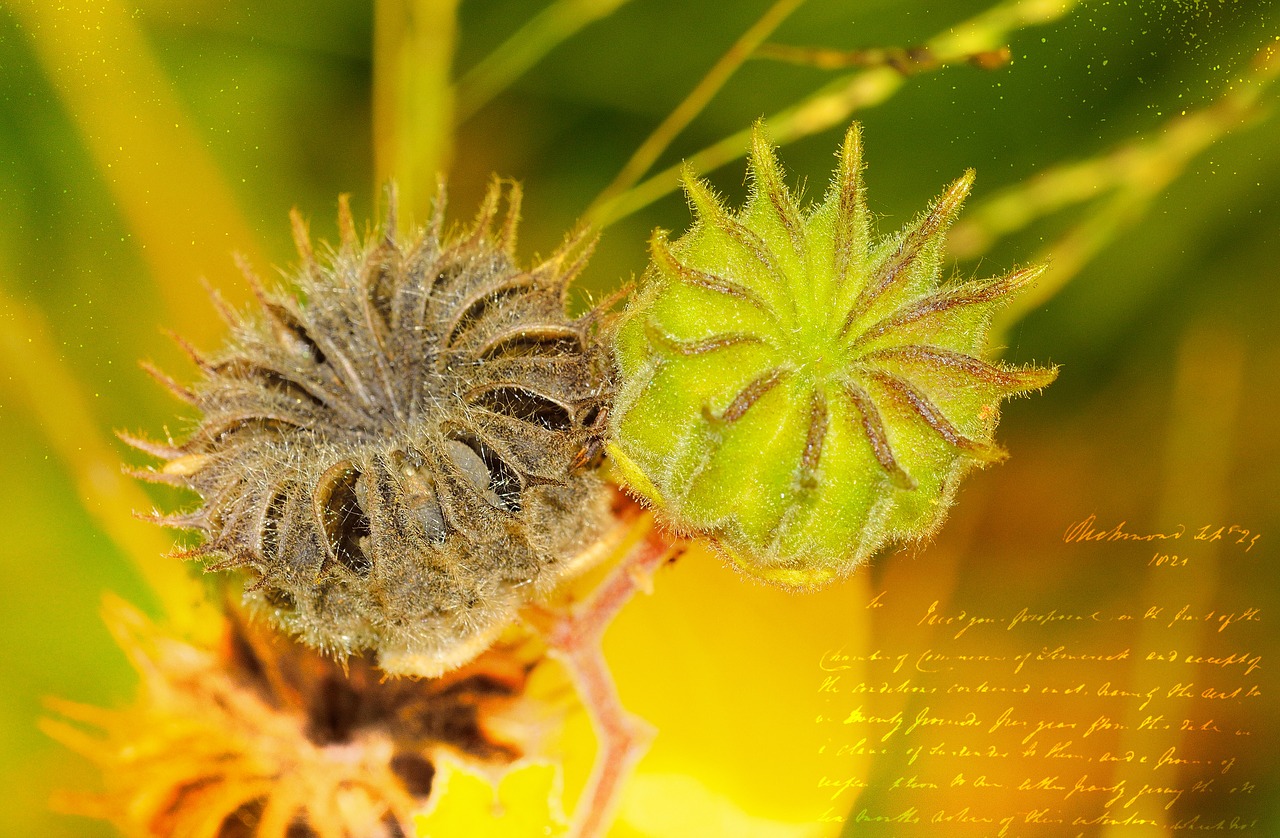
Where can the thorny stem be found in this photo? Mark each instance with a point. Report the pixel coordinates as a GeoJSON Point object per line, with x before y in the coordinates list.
{"type": "Point", "coordinates": [544, 31]}
{"type": "Point", "coordinates": [833, 104]}
{"type": "Point", "coordinates": [575, 638]}
{"type": "Point", "coordinates": [684, 113]}
{"type": "Point", "coordinates": [413, 98]}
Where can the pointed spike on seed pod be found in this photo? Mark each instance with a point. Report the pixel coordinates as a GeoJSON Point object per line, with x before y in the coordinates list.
{"type": "Point", "coordinates": [659, 243]}
{"type": "Point", "coordinates": [188, 554]}
{"type": "Point", "coordinates": [853, 220]}
{"type": "Point", "coordinates": [158, 478]}
{"type": "Point", "coordinates": [1031, 377]}
{"type": "Point", "coordinates": [583, 244]}
{"type": "Point", "coordinates": [507, 238]}
{"type": "Point", "coordinates": [601, 309]}
{"type": "Point", "coordinates": [768, 188]}
{"type": "Point", "coordinates": [435, 227]}
{"type": "Point", "coordinates": [1021, 381]}
{"type": "Point", "coordinates": [182, 393]}
{"type": "Point", "coordinates": [190, 351]}
{"type": "Point", "coordinates": [872, 427]}
{"type": "Point", "coordinates": [579, 243]}
{"type": "Point", "coordinates": [1006, 379]}
{"type": "Point", "coordinates": [917, 256]}
{"type": "Point", "coordinates": [251, 277]}
{"type": "Point", "coordinates": [147, 446]}
{"type": "Point", "coordinates": [346, 224]}
{"type": "Point", "coordinates": [224, 311]}
{"type": "Point", "coordinates": [922, 241]}
{"type": "Point", "coordinates": [393, 208]}
{"type": "Point", "coordinates": [195, 520]}
{"type": "Point", "coordinates": [947, 207]}
{"type": "Point", "coordinates": [848, 175]}
{"type": "Point", "coordinates": [989, 293]}
{"type": "Point", "coordinates": [661, 257]}
{"type": "Point", "coordinates": [302, 240]}
{"type": "Point", "coordinates": [703, 200]}
{"type": "Point", "coordinates": [232, 562]}
{"type": "Point", "coordinates": [1018, 280]}
{"type": "Point", "coordinates": [488, 211]}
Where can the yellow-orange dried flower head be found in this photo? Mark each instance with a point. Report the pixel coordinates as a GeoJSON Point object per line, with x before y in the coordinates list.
{"type": "Point", "coordinates": [265, 737]}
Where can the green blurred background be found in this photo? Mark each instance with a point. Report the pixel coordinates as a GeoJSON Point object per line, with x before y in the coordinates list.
{"type": "Point", "coordinates": [142, 143]}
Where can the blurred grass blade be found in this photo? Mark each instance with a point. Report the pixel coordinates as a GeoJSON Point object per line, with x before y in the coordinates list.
{"type": "Point", "coordinates": [39, 379]}
{"type": "Point", "coordinates": [1134, 173]}
{"type": "Point", "coordinates": [413, 47]}
{"type": "Point", "coordinates": [907, 60]}
{"type": "Point", "coordinates": [162, 177]}
{"type": "Point", "coordinates": [515, 56]}
{"type": "Point", "coordinates": [656, 143]}
{"type": "Point", "coordinates": [833, 104]}
{"type": "Point", "coordinates": [1200, 447]}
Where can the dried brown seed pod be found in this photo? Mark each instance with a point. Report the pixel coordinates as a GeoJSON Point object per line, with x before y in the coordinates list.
{"type": "Point", "coordinates": [400, 454]}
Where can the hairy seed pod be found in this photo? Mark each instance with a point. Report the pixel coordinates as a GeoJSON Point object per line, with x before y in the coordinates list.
{"type": "Point", "coordinates": [802, 393]}
{"type": "Point", "coordinates": [403, 455]}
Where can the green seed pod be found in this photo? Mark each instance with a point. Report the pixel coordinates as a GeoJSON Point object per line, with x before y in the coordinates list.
{"type": "Point", "coordinates": [799, 392]}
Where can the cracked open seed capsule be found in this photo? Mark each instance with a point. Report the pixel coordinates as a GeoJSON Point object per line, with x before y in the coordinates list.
{"type": "Point", "coordinates": [397, 453]}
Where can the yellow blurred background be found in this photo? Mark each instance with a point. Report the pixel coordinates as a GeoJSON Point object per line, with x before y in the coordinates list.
{"type": "Point", "coordinates": [1133, 144]}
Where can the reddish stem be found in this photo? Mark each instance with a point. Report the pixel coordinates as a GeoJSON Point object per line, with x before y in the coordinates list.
{"type": "Point", "coordinates": [576, 638]}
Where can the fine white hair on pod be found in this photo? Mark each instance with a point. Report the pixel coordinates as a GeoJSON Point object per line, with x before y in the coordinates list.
{"type": "Point", "coordinates": [396, 452]}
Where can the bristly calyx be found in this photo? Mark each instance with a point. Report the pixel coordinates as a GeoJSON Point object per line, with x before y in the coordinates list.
{"type": "Point", "coordinates": [801, 392]}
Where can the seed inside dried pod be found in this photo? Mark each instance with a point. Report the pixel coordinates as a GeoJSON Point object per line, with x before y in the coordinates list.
{"type": "Point", "coordinates": [397, 454]}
